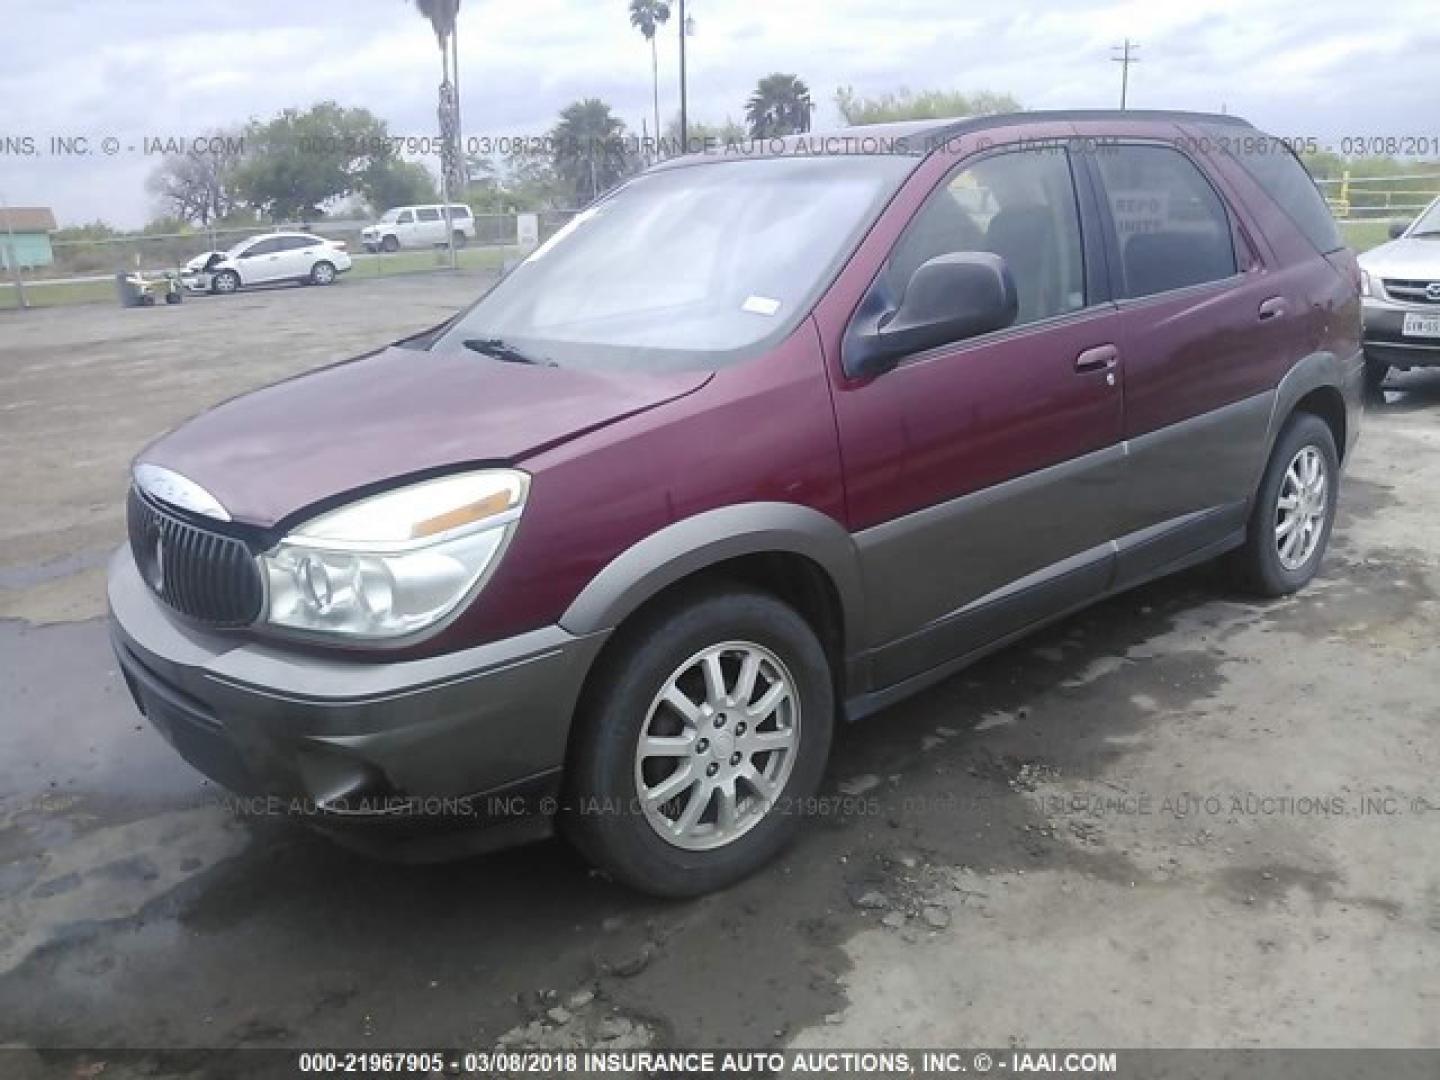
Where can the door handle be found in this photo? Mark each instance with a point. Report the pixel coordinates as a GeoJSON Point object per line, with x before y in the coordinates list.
{"type": "Point", "coordinates": [1272, 308]}
{"type": "Point", "coordinates": [1100, 358]}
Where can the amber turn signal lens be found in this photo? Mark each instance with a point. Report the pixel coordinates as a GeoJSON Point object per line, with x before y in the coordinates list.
{"type": "Point", "coordinates": [489, 506]}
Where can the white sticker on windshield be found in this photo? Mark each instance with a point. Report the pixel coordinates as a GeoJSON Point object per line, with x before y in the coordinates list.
{"type": "Point", "coordinates": [761, 305]}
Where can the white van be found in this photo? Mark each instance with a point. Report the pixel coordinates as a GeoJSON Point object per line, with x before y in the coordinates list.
{"type": "Point", "coordinates": [418, 227]}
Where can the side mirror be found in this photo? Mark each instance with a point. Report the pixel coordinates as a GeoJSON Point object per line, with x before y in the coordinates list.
{"type": "Point", "coordinates": [949, 298]}
{"type": "Point", "coordinates": [1397, 229]}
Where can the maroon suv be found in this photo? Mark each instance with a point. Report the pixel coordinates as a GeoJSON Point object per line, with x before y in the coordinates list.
{"type": "Point", "coordinates": [761, 440]}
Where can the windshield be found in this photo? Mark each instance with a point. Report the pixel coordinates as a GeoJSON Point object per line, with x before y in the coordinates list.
{"type": "Point", "coordinates": [1428, 223]}
{"type": "Point", "coordinates": [389, 216]}
{"type": "Point", "coordinates": [693, 266]}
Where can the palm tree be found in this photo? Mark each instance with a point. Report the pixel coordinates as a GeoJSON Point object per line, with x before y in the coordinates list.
{"type": "Point", "coordinates": [780, 106]}
{"type": "Point", "coordinates": [442, 15]}
{"type": "Point", "coordinates": [590, 148]}
{"type": "Point", "coordinates": [648, 16]}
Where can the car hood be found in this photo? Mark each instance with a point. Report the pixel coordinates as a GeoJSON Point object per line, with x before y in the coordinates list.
{"type": "Point", "coordinates": [199, 261]}
{"type": "Point", "coordinates": [1415, 259]}
{"type": "Point", "coordinates": [272, 453]}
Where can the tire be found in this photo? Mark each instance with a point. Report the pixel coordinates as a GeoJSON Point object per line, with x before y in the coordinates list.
{"type": "Point", "coordinates": [1262, 564]}
{"type": "Point", "coordinates": [322, 273]}
{"type": "Point", "coordinates": [390, 245]}
{"type": "Point", "coordinates": [225, 282]}
{"type": "Point", "coordinates": [173, 298]}
{"type": "Point", "coordinates": [1376, 372]}
{"type": "Point", "coordinates": [607, 817]}
{"type": "Point", "coordinates": [459, 238]}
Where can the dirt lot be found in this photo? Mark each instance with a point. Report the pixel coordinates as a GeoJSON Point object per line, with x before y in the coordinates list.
{"type": "Point", "coordinates": [1179, 819]}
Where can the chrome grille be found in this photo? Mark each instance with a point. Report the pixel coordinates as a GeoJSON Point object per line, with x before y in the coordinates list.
{"type": "Point", "coordinates": [205, 575]}
{"type": "Point", "coordinates": [1413, 292]}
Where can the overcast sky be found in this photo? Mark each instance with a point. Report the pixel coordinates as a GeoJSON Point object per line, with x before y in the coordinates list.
{"type": "Point", "coordinates": [1299, 68]}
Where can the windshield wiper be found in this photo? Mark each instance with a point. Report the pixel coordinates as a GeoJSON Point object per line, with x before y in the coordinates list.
{"type": "Point", "coordinates": [500, 350]}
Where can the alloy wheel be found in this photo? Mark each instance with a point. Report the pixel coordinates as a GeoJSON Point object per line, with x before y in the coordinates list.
{"type": "Point", "coordinates": [718, 744]}
{"type": "Point", "coordinates": [1301, 508]}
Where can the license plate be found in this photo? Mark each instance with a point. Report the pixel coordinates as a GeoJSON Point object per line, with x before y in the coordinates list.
{"type": "Point", "coordinates": [1421, 325]}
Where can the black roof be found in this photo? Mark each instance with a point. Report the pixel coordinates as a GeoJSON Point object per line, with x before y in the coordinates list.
{"type": "Point", "coordinates": [917, 138]}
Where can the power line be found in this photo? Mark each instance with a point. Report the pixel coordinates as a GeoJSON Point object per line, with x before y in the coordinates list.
{"type": "Point", "coordinates": [1125, 58]}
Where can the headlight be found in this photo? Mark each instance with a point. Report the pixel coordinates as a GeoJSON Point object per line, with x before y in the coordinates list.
{"type": "Point", "coordinates": [1365, 283]}
{"type": "Point", "coordinates": [394, 563]}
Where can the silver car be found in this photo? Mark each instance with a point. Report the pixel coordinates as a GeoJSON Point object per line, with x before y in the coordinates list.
{"type": "Point", "coordinates": [1400, 283]}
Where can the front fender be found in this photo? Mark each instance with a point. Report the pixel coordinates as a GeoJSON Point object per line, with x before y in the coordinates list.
{"type": "Point", "coordinates": [696, 543]}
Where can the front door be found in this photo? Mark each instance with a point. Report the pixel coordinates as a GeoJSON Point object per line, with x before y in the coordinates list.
{"type": "Point", "coordinates": [260, 261]}
{"type": "Point", "coordinates": [984, 477]}
{"type": "Point", "coordinates": [405, 229]}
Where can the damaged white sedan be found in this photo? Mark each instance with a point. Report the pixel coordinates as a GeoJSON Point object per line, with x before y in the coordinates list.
{"type": "Point", "coordinates": [266, 260]}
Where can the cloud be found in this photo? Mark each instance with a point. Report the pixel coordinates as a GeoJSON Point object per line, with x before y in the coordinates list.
{"type": "Point", "coordinates": [1320, 68]}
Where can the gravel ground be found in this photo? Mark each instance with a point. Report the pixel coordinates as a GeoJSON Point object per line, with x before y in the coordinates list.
{"type": "Point", "coordinates": [1179, 819]}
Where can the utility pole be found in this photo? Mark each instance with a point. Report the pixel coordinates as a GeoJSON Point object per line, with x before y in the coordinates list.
{"type": "Point", "coordinates": [684, 119]}
{"type": "Point", "coordinates": [13, 256]}
{"type": "Point", "coordinates": [1125, 58]}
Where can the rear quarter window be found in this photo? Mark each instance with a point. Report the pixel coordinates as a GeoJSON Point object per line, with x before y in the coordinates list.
{"type": "Point", "coordinates": [1273, 166]}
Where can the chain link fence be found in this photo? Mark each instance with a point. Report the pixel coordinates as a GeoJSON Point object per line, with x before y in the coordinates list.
{"type": "Point", "coordinates": [83, 271]}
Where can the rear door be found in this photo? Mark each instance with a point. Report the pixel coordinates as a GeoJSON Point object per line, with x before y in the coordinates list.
{"type": "Point", "coordinates": [430, 225]}
{"type": "Point", "coordinates": [297, 255]}
{"type": "Point", "coordinates": [984, 477]}
{"type": "Point", "coordinates": [1199, 314]}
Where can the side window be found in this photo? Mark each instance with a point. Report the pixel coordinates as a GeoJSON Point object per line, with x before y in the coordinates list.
{"type": "Point", "coordinates": [260, 247]}
{"type": "Point", "coordinates": [405, 218]}
{"type": "Point", "coordinates": [428, 215]}
{"type": "Point", "coordinates": [459, 212]}
{"type": "Point", "coordinates": [1018, 205]}
{"type": "Point", "coordinates": [1273, 166]}
{"type": "Point", "coordinates": [295, 243]}
{"type": "Point", "coordinates": [1173, 228]}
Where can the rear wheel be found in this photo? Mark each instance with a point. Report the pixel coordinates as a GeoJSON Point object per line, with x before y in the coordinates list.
{"type": "Point", "coordinates": [713, 717]}
{"type": "Point", "coordinates": [459, 238]}
{"type": "Point", "coordinates": [1294, 510]}
{"type": "Point", "coordinates": [322, 273]}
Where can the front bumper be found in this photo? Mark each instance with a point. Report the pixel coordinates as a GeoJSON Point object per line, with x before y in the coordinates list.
{"type": "Point", "coordinates": [407, 749]}
{"type": "Point", "coordinates": [1384, 337]}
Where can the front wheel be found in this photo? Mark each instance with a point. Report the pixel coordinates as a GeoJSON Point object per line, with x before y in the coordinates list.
{"type": "Point", "coordinates": [1294, 510]}
{"type": "Point", "coordinates": [711, 724]}
{"type": "Point", "coordinates": [226, 281]}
